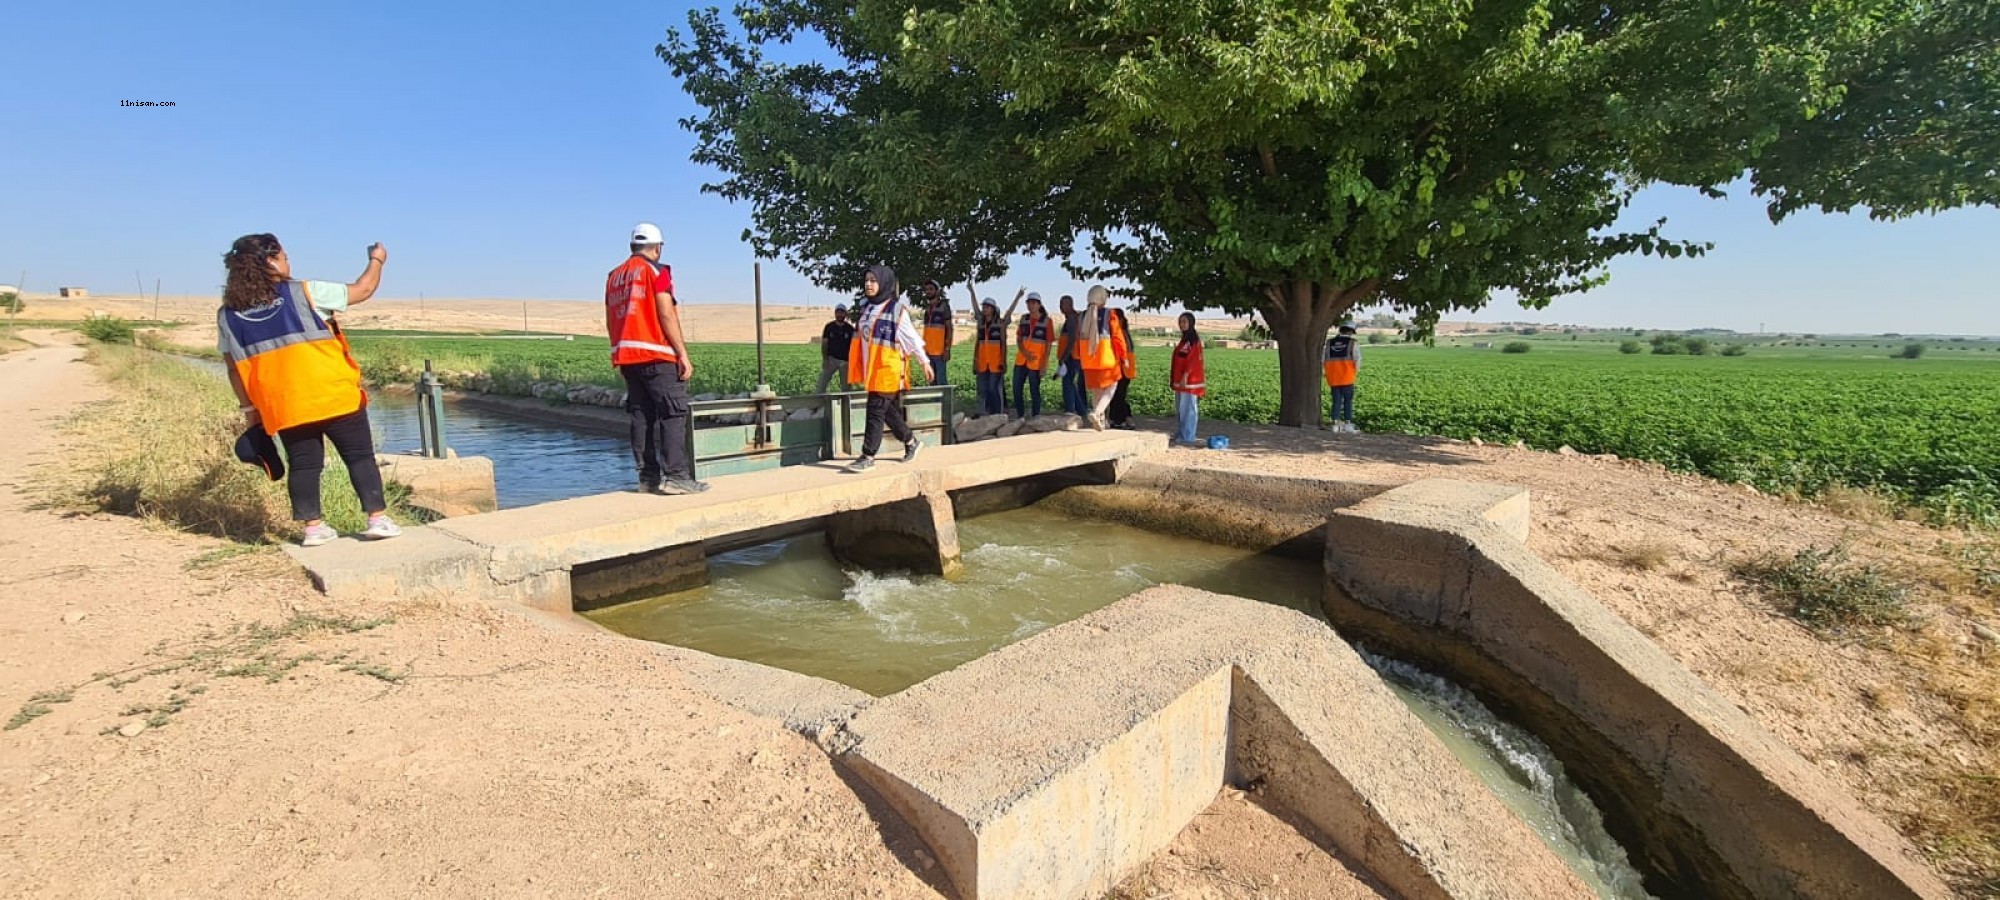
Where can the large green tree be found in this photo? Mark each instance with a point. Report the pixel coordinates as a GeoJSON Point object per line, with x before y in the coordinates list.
{"type": "Point", "coordinates": [1299, 159]}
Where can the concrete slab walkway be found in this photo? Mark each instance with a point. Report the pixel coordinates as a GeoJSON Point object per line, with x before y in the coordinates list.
{"type": "Point", "coordinates": [525, 555]}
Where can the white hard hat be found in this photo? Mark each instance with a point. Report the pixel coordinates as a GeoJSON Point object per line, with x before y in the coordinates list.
{"type": "Point", "coordinates": [646, 233]}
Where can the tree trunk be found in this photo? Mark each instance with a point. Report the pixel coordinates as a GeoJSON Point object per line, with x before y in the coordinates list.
{"type": "Point", "coordinates": [1300, 313]}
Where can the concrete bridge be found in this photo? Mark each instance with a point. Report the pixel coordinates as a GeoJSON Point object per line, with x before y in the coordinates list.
{"type": "Point", "coordinates": [589, 551]}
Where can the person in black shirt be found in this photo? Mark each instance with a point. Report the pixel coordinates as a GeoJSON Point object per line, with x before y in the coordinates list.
{"type": "Point", "coordinates": [833, 344]}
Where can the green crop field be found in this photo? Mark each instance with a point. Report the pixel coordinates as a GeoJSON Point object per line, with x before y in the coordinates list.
{"type": "Point", "coordinates": [1800, 417]}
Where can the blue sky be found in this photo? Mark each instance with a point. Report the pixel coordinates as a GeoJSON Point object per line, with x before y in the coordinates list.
{"type": "Point", "coordinates": [506, 154]}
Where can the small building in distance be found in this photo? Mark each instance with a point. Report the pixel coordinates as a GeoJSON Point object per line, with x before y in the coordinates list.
{"type": "Point", "coordinates": [72, 293]}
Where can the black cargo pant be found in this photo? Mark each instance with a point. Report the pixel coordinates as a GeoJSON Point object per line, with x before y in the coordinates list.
{"type": "Point", "coordinates": [657, 400]}
{"type": "Point", "coordinates": [305, 457]}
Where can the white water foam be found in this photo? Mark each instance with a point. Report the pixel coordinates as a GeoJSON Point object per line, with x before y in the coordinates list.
{"type": "Point", "coordinates": [1524, 759]}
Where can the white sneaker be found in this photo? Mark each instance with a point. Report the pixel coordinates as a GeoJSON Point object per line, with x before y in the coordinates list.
{"type": "Point", "coordinates": [381, 527]}
{"type": "Point", "coordinates": [318, 534]}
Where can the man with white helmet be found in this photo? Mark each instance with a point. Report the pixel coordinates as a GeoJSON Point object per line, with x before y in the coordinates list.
{"type": "Point", "coordinates": [644, 322]}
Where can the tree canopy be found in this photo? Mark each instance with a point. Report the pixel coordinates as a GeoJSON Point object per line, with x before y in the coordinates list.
{"type": "Point", "coordinates": [1299, 159]}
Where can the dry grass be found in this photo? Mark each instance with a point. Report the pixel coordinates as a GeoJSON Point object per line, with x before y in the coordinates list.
{"type": "Point", "coordinates": [1860, 504]}
{"type": "Point", "coordinates": [1953, 808]}
{"type": "Point", "coordinates": [163, 449]}
{"type": "Point", "coordinates": [1644, 557]}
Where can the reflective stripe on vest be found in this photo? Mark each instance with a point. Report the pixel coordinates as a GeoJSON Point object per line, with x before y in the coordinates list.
{"type": "Point", "coordinates": [1032, 344]}
{"type": "Point", "coordinates": [294, 365]}
{"type": "Point", "coordinates": [937, 328]}
{"type": "Point", "coordinates": [876, 361]}
{"type": "Point", "coordinates": [990, 354]}
{"type": "Point", "coordinates": [1340, 367]}
{"type": "Point", "coordinates": [632, 317]}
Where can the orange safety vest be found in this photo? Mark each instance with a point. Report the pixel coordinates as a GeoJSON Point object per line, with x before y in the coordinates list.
{"type": "Point", "coordinates": [1031, 341]}
{"type": "Point", "coordinates": [295, 365]}
{"type": "Point", "coordinates": [937, 327]}
{"type": "Point", "coordinates": [631, 316]}
{"type": "Point", "coordinates": [1190, 375]}
{"type": "Point", "coordinates": [875, 361]}
{"type": "Point", "coordinates": [990, 354]}
{"type": "Point", "coordinates": [1341, 365]}
{"type": "Point", "coordinates": [1105, 365]}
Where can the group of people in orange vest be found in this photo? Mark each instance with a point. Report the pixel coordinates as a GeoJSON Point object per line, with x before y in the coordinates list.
{"type": "Point", "coordinates": [1093, 351]}
{"type": "Point", "coordinates": [299, 384]}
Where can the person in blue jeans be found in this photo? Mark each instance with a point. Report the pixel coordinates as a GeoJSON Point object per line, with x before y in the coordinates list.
{"type": "Point", "coordinates": [1031, 356]}
{"type": "Point", "coordinates": [1189, 380]}
{"type": "Point", "coordinates": [1069, 361]}
{"type": "Point", "coordinates": [1342, 365]}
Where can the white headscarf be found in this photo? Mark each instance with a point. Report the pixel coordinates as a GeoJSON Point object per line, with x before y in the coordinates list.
{"type": "Point", "coordinates": [1089, 335]}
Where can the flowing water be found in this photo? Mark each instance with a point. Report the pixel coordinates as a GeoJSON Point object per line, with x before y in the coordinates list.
{"type": "Point", "coordinates": [533, 462]}
{"type": "Point", "coordinates": [1519, 768]}
{"type": "Point", "coordinates": [790, 604]}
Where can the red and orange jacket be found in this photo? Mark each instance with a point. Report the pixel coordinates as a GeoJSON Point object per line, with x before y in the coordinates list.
{"type": "Point", "coordinates": [1190, 375]}
{"type": "Point", "coordinates": [630, 315]}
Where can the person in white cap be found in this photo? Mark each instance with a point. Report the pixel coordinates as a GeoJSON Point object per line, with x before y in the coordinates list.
{"type": "Point", "coordinates": [647, 348]}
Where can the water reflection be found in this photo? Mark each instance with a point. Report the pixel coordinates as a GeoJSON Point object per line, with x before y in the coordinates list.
{"type": "Point", "coordinates": [533, 462]}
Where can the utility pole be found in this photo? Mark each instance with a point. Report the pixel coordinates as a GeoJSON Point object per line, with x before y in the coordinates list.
{"type": "Point", "coordinates": [763, 390]}
{"type": "Point", "coordinates": [524, 317]}
{"type": "Point", "coordinates": [141, 282]}
{"type": "Point", "coordinates": [156, 299]}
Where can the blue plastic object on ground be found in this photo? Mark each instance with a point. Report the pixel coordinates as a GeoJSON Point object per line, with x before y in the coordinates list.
{"type": "Point", "coordinates": [1218, 442]}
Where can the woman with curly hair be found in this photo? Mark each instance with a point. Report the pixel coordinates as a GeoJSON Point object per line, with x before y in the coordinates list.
{"type": "Point", "coordinates": [295, 377]}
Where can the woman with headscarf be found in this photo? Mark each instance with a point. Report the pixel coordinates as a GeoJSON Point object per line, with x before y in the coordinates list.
{"type": "Point", "coordinates": [1189, 380]}
{"type": "Point", "coordinates": [1121, 402]}
{"type": "Point", "coordinates": [884, 345]}
{"type": "Point", "coordinates": [295, 377]}
{"type": "Point", "coordinates": [1103, 353]}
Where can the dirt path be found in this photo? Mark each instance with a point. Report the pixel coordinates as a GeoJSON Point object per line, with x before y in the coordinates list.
{"type": "Point", "coordinates": [450, 752]}
{"type": "Point", "coordinates": [298, 748]}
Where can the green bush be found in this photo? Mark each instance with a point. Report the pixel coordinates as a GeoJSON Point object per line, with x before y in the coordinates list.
{"type": "Point", "coordinates": [11, 302]}
{"type": "Point", "coordinates": [1734, 350]}
{"type": "Point", "coordinates": [1629, 347]}
{"type": "Point", "coordinates": [1911, 351]}
{"type": "Point", "coordinates": [108, 329]}
{"type": "Point", "coordinates": [1377, 337]}
{"type": "Point", "coordinates": [1822, 589]}
{"type": "Point", "coordinates": [1517, 347]}
{"type": "Point", "coordinates": [1697, 346]}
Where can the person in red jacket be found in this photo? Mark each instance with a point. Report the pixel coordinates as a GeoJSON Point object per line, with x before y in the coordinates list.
{"type": "Point", "coordinates": [1189, 380]}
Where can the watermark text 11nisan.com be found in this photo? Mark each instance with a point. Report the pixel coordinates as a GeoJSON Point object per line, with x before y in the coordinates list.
{"type": "Point", "coordinates": [145, 103]}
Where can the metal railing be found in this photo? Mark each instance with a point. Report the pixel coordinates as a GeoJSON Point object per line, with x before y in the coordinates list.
{"type": "Point", "coordinates": [773, 437]}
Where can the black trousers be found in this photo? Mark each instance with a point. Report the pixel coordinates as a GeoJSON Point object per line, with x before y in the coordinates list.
{"type": "Point", "coordinates": [305, 458]}
{"type": "Point", "coordinates": [885, 410]}
{"type": "Point", "coordinates": [1120, 411]}
{"type": "Point", "coordinates": [657, 400]}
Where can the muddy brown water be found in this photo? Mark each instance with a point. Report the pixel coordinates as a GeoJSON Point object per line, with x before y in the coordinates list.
{"type": "Point", "coordinates": [790, 604]}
